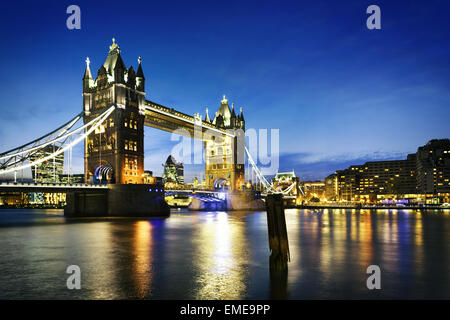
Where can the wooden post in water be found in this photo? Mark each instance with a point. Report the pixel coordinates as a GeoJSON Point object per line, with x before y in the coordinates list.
{"type": "Point", "coordinates": [278, 239]}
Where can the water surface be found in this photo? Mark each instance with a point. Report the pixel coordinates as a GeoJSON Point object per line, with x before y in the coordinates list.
{"type": "Point", "coordinates": [220, 255]}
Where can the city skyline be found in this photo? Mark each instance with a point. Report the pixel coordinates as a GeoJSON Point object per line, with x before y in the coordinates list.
{"type": "Point", "coordinates": [348, 95]}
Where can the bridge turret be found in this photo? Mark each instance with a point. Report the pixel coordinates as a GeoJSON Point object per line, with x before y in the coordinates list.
{"type": "Point", "coordinates": [119, 70]}
{"type": "Point", "coordinates": [223, 115]}
{"type": "Point", "coordinates": [233, 116]}
{"type": "Point", "coordinates": [87, 78]}
{"type": "Point", "coordinates": [224, 158]}
{"type": "Point", "coordinates": [131, 81]}
{"type": "Point", "coordinates": [207, 116]}
{"type": "Point", "coordinates": [241, 121]}
{"type": "Point", "coordinates": [140, 79]}
{"type": "Point", "coordinates": [120, 146]}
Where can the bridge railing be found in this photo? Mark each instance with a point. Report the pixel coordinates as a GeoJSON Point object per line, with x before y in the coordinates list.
{"type": "Point", "coordinates": [52, 185]}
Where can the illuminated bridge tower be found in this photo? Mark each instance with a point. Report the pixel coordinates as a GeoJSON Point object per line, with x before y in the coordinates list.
{"type": "Point", "coordinates": [224, 165]}
{"type": "Point", "coordinates": [115, 153]}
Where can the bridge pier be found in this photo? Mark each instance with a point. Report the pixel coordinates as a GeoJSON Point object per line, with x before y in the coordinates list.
{"type": "Point", "coordinates": [119, 200]}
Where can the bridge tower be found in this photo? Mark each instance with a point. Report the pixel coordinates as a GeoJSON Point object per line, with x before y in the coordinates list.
{"type": "Point", "coordinates": [115, 153]}
{"type": "Point", "coordinates": [224, 157]}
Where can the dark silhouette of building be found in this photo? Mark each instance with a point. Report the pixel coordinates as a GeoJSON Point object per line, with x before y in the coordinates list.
{"type": "Point", "coordinates": [433, 167]}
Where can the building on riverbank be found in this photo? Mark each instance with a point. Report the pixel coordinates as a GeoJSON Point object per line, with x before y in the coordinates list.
{"type": "Point", "coordinates": [423, 177]}
{"type": "Point", "coordinates": [32, 199]}
{"type": "Point", "coordinates": [313, 189]}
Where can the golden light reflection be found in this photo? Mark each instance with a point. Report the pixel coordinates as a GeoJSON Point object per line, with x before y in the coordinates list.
{"type": "Point", "coordinates": [389, 233]}
{"type": "Point", "coordinates": [142, 262]}
{"type": "Point", "coordinates": [294, 235]}
{"type": "Point", "coordinates": [365, 233]}
{"type": "Point", "coordinates": [327, 246]}
{"type": "Point", "coordinates": [221, 253]}
{"type": "Point", "coordinates": [418, 243]}
{"type": "Point", "coordinates": [98, 236]}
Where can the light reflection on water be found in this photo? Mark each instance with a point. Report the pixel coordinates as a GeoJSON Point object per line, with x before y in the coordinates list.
{"type": "Point", "coordinates": [220, 258]}
{"type": "Point", "coordinates": [225, 255]}
{"type": "Point", "coordinates": [142, 262]}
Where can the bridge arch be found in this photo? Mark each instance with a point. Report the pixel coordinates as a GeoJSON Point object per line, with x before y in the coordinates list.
{"type": "Point", "coordinates": [221, 183]}
{"type": "Point", "coordinates": [104, 173]}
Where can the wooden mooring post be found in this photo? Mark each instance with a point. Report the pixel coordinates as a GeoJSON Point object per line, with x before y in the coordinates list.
{"type": "Point", "coordinates": [278, 238]}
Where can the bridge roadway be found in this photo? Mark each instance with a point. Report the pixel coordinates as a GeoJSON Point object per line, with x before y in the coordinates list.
{"type": "Point", "coordinates": [169, 119]}
{"type": "Point", "coordinates": [85, 187]}
{"type": "Point", "coordinates": [206, 195]}
{"type": "Point", "coordinates": [51, 187]}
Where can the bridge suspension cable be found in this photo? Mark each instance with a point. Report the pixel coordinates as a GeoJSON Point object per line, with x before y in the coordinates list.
{"type": "Point", "coordinates": [262, 180]}
{"type": "Point", "coordinates": [64, 136]}
{"type": "Point", "coordinates": [258, 173]}
{"type": "Point", "coordinates": [36, 143]}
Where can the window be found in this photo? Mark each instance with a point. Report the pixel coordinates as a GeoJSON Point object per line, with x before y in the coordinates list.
{"type": "Point", "coordinates": [130, 145]}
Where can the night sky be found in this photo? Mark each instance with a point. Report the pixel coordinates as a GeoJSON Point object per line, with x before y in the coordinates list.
{"type": "Point", "coordinates": [339, 93]}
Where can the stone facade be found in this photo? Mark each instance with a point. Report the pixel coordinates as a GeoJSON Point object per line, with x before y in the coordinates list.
{"type": "Point", "coordinates": [115, 152]}
{"type": "Point", "coordinates": [224, 155]}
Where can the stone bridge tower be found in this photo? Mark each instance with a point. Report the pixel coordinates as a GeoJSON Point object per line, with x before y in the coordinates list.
{"type": "Point", "coordinates": [115, 153]}
{"type": "Point", "coordinates": [224, 156]}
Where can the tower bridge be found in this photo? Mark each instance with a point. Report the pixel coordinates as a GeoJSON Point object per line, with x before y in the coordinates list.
{"type": "Point", "coordinates": [122, 154]}
{"type": "Point", "coordinates": [115, 111]}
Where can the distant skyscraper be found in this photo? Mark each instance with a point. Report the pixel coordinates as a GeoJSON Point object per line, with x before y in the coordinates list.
{"type": "Point", "coordinates": [50, 170]}
{"type": "Point", "coordinates": [173, 171]}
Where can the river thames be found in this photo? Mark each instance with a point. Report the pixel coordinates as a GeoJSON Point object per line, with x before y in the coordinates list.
{"type": "Point", "coordinates": [225, 255]}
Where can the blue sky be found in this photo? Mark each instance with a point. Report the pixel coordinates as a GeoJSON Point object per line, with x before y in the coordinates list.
{"type": "Point", "coordinates": [339, 93]}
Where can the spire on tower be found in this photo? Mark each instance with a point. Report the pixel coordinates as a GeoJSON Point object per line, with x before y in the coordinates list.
{"type": "Point", "coordinates": [224, 100]}
{"type": "Point", "coordinates": [140, 72]}
{"type": "Point", "coordinates": [241, 115]}
{"type": "Point", "coordinates": [233, 114]}
{"type": "Point", "coordinates": [87, 72]}
{"type": "Point", "coordinates": [207, 116]}
{"type": "Point", "coordinates": [114, 45]}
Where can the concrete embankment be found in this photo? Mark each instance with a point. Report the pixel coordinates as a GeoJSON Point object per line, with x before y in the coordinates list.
{"type": "Point", "coordinates": [119, 200]}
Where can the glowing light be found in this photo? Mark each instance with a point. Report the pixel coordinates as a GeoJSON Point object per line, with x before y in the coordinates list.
{"type": "Point", "coordinates": [59, 137]}
{"type": "Point", "coordinates": [102, 117]}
